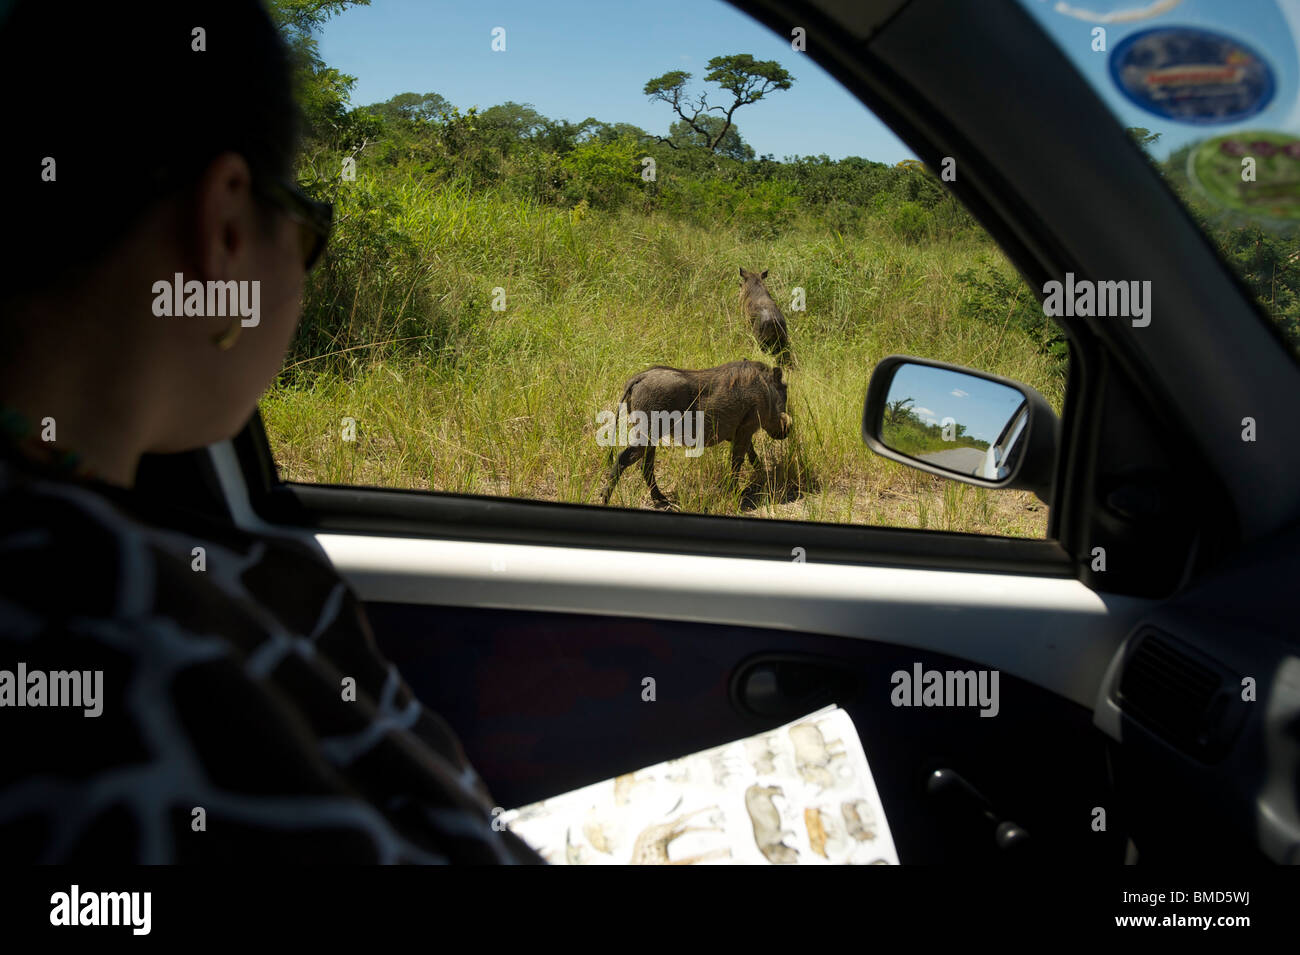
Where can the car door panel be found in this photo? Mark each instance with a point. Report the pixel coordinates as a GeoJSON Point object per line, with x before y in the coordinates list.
{"type": "Point", "coordinates": [549, 702]}
{"type": "Point", "coordinates": [1051, 631]}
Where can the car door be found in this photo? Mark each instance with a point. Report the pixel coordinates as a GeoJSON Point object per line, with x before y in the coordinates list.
{"type": "Point", "coordinates": [535, 628]}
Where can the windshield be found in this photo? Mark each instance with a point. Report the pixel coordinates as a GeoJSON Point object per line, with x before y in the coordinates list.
{"type": "Point", "coordinates": [1209, 90]}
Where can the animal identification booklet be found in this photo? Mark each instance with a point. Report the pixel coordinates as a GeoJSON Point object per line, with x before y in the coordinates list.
{"type": "Point", "coordinates": [802, 794]}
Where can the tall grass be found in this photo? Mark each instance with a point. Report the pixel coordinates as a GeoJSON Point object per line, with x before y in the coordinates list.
{"type": "Point", "coordinates": [451, 395]}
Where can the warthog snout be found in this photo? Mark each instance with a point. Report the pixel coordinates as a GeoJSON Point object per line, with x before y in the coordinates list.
{"type": "Point", "coordinates": [733, 401]}
{"type": "Point", "coordinates": [784, 427]}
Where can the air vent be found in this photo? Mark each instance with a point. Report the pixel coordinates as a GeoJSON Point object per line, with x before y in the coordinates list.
{"type": "Point", "coordinates": [1179, 695]}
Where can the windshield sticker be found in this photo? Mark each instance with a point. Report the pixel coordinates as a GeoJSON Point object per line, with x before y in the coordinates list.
{"type": "Point", "coordinates": [1256, 174]}
{"type": "Point", "coordinates": [1126, 15]}
{"type": "Point", "coordinates": [1192, 76]}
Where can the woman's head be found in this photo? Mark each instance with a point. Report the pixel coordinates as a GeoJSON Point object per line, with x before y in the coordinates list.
{"type": "Point", "coordinates": [150, 140]}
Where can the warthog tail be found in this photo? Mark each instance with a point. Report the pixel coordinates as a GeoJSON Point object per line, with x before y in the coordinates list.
{"type": "Point", "coordinates": [613, 450]}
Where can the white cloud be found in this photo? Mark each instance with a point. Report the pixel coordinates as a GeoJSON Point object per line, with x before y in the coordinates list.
{"type": "Point", "coordinates": [925, 412]}
{"type": "Point", "coordinates": [958, 393]}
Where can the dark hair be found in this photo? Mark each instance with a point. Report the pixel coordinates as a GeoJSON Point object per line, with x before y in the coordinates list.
{"type": "Point", "coordinates": [130, 112]}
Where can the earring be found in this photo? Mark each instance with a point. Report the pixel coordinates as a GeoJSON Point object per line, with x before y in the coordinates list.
{"type": "Point", "coordinates": [225, 340]}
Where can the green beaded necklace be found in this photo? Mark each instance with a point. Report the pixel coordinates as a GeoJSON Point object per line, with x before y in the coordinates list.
{"type": "Point", "coordinates": [20, 436]}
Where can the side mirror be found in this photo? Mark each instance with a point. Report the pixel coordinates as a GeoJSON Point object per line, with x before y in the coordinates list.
{"type": "Point", "coordinates": [961, 424]}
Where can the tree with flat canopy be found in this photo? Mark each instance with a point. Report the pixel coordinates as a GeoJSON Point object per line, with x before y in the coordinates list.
{"type": "Point", "coordinates": [748, 80]}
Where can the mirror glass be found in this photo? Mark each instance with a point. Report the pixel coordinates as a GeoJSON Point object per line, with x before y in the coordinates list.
{"type": "Point", "coordinates": [961, 423]}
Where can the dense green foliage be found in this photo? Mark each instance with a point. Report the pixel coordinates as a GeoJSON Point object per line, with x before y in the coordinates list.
{"type": "Point", "coordinates": [417, 143]}
{"type": "Point", "coordinates": [1266, 260]}
{"type": "Point", "coordinates": [416, 155]}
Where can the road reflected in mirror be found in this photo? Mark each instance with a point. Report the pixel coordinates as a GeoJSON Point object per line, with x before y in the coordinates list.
{"type": "Point", "coordinates": [961, 423]}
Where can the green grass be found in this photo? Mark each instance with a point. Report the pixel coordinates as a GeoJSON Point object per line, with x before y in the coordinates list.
{"type": "Point", "coordinates": [910, 438]}
{"type": "Point", "coordinates": [504, 402]}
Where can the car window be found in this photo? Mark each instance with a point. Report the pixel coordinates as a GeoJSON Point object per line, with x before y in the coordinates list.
{"type": "Point", "coordinates": [549, 222]}
{"type": "Point", "coordinates": [1209, 91]}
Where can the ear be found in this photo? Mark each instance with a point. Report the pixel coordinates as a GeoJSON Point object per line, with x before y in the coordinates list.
{"type": "Point", "coordinates": [776, 374]}
{"type": "Point", "coordinates": [225, 211]}
{"type": "Point", "coordinates": [743, 273]}
{"type": "Point", "coordinates": [764, 275]}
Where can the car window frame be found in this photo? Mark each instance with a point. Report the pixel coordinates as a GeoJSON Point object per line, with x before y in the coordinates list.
{"type": "Point", "coordinates": [441, 514]}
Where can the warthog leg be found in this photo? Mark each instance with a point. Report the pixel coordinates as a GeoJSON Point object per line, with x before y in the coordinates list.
{"type": "Point", "coordinates": [624, 460]}
{"type": "Point", "coordinates": [738, 453]}
{"type": "Point", "coordinates": [629, 456]}
{"type": "Point", "coordinates": [742, 447]}
{"type": "Point", "coordinates": [648, 470]}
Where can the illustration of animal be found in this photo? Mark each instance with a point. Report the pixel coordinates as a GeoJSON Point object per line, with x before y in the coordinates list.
{"type": "Point", "coordinates": [767, 825]}
{"type": "Point", "coordinates": [765, 318]}
{"type": "Point", "coordinates": [651, 847]}
{"type": "Point", "coordinates": [733, 401]}
{"type": "Point", "coordinates": [812, 818]}
{"type": "Point", "coordinates": [625, 785]}
{"type": "Point", "coordinates": [573, 855]}
{"type": "Point", "coordinates": [813, 755]}
{"type": "Point", "coordinates": [761, 755]}
{"type": "Point", "coordinates": [724, 766]}
{"type": "Point", "coordinates": [859, 819]}
{"type": "Point", "coordinates": [603, 835]}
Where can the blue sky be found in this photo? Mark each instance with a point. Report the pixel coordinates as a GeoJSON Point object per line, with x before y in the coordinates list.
{"type": "Point", "coordinates": [984, 407]}
{"type": "Point", "coordinates": [576, 58]}
{"type": "Point", "coordinates": [572, 59]}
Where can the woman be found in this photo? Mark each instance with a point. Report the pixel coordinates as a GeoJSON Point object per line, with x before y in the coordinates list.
{"type": "Point", "coordinates": [170, 689]}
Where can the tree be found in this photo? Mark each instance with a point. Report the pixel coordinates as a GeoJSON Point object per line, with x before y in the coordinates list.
{"type": "Point", "coordinates": [610, 132]}
{"type": "Point", "coordinates": [896, 412]}
{"type": "Point", "coordinates": [322, 91]}
{"type": "Point", "coordinates": [1142, 136]}
{"type": "Point", "coordinates": [730, 144]}
{"type": "Point", "coordinates": [512, 121]}
{"type": "Point", "coordinates": [748, 80]}
{"type": "Point", "coordinates": [415, 107]}
{"type": "Point", "coordinates": [561, 136]}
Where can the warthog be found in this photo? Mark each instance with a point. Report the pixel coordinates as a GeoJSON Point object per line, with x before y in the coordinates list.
{"type": "Point", "coordinates": [765, 318]}
{"type": "Point", "coordinates": [734, 399]}
{"type": "Point", "coordinates": [768, 834]}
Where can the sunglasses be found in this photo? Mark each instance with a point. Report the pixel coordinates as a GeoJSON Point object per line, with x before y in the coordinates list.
{"type": "Point", "coordinates": [314, 218]}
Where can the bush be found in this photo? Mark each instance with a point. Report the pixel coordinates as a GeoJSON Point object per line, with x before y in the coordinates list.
{"type": "Point", "coordinates": [910, 222]}
{"type": "Point", "coordinates": [762, 210]}
{"type": "Point", "coordinates": [602, 174]}
{"type": "Point", "coordinates": [993, 296]}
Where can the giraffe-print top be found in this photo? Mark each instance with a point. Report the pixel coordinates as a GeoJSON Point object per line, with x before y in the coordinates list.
{"type": "Point", "coordinates": [226, 732]}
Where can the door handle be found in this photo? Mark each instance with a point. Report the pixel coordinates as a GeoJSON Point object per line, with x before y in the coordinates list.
{"type": "Point", "coordinates": [787, 685]}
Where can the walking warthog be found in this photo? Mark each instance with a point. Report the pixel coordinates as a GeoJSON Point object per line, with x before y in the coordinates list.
{"type": "Point", "coordinates": [734, 400]}
{"type": "Point", "coordinates": [765, 318]}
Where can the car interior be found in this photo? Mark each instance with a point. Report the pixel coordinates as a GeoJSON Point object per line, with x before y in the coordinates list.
{"type": "Point", "coordinates": [1147, 666]}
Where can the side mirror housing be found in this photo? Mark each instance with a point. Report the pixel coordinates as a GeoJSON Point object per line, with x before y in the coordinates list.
{"type": "Point", "coordinates": [966, 425]}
